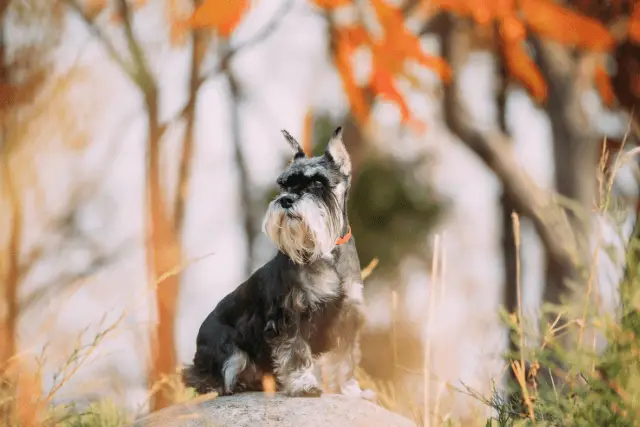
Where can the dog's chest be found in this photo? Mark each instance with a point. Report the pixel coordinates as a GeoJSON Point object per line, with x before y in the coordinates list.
{"type": "Point", "coordinates": [318, 287]}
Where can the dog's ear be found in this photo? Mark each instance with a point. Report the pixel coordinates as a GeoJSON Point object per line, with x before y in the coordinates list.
{"type": "Point", "coordinates": [297, 149]}
{"type": "Point", "coordinates": [337, 152]}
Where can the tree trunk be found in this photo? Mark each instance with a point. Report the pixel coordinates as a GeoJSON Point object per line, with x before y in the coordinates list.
{"type": "Point", "coordinates": [246, 200]}
{"type": "Point", "coordinates": [9, 308]}
{"type": "Point", "coordinates": [11, 274]}
{"type": "Point", "coordinates": [163, 255]}
{"type": "Point", "coordinates": [510, 299]}
{"type": "Point", "coordinates": [198, 46]}
{"type": "Point", "coordinates": [575, 158]}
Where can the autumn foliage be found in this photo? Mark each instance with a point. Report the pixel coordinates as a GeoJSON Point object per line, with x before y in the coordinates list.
{"type": "Point", "coordinates": [395, 45]}
{"type": "Point", "coordinates": [222, 16]}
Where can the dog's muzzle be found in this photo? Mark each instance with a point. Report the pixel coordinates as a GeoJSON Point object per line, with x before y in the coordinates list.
{"type": "Point", "coordinates": [286, 201]}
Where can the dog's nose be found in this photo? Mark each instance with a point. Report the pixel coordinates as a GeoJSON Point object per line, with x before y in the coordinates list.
{"type": "Point", "coordinates": [286, 201]}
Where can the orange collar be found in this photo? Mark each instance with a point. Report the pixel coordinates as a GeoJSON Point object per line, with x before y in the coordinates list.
{"type": "Point", "coordinates": [344, 239]}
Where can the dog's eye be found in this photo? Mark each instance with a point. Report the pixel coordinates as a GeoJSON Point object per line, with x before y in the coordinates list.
{"type": "Point", "coordinates": [317, 180]}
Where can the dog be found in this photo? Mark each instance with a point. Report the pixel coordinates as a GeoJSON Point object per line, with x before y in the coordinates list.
{"type": "Point", "coordinates": [298, 317]}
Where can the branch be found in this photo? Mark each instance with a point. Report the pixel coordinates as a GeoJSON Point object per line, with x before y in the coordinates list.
{"type": "Point", "coordinates": [66, 280]}
{"type": "Point", "coordinates": [78, 357]}
{"type": "Point", "coordinates": [182, 195]}
{"type": "Point", "coordinates": [3, 7]}
{"type": "Point", "coordinates": [143, 77]}
{"type": "Point", "coordinates": [258, 37]}
{"type": "Point", "coordinates": [436, 25]}
{"type": "Point", "coordinates": [495, 150]}
{"type": "Point", "coordinates": [243, 171]}
{"type": "Point", "coordinates": [223, 63]}
{"type": "Point", "coordinates": [97, 33]}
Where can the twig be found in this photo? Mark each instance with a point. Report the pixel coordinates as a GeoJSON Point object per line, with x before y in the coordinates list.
{"type": "Point", "coordinates": [516, 236]}
{"type": "Point", "coordinates": [79, 361]}
{"type": "Point", "coordinates": [142, 75]}
{"type": "Point", "coordinates": [429, 319]}
{"type": "Point", "coordinates": [186, 156]}
{"type": "Point", "coordinates": [519, 371]}
{"type": "Point", "coordinates": [97, 32]}
{"type": "Point", "coordinates": [366, 272]}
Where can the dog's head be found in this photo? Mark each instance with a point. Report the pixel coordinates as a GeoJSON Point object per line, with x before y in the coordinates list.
{"type": "Point", "coordinates": [308, 216]}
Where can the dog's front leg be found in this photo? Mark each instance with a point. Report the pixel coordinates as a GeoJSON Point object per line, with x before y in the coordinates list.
{"type": "Point", "coordinates": [337, 369]}
{"type": "Point", "coordinates": [338, 366]}
{"type": "Point", "coordinates": [294, 367]}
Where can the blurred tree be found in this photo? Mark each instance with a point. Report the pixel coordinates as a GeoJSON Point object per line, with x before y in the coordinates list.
{"type": "Point", "coordinates": [31, 99]}
{"type": "Point", "coordinates": [22, 70]}
{"type": "Point", "coordinates": [20, 79]}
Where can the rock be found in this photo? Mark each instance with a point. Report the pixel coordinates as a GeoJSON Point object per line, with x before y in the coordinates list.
{"type": "Point", "coordinates": [258, 409]}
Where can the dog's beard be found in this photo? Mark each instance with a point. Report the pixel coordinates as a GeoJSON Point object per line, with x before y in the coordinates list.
{"type": "Point", "coordinates": [304, 233]}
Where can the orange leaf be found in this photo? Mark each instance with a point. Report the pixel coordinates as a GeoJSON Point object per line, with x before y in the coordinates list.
{"type": "Point", "coordinates": [603, 83]}
{"type": "Point", "coordinates": [483, 12]}
{"type": "Point", "coordinates": [520, 66]}
{"type": "Point", "coordinates": [634, 24]}
{"type": "Point", "coordinates": [382, 84]}
{"type": "Point", "coordinates": [459, 7]}
{"type": "Point", "coordinates": [512, 29]}
{"type": "Point", "coordinates": [438, 65]}
{"type": "Point", "coordinates": [390, 17]}
{"type": "Point", "coordinates": [502, 8]}
{"type": "Point", "coordinates": [221, 15]}
{"type": "Point", "coordinates": [355, 95]}
{"type": "Point", "coordinates": [565, 26]}
{"type": "Point", "coordinates": [399, 44]}
{"type": "Point", "coordinates": [177, 33]}
{"type": "Point", "coordinates": [330, 4]}
{"type": "Point", "coordinates": [355, 35]}
{"type": "Point", "coordinates": [178, 28]}
{"type": "Point", "coordinates": [94, 7]}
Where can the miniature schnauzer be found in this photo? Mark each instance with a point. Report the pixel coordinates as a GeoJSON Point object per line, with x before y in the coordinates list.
{"type": "Point", "coordinates": [299, 316]}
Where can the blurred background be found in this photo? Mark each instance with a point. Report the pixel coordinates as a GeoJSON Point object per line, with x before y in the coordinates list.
{"type": "Point", "coordinates": [140, 142]}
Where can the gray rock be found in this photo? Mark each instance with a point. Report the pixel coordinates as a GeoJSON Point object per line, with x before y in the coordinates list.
{"type": "Point", "coordinates": [257, 409]}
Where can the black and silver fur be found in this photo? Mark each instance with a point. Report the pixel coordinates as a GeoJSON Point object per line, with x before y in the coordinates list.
{"type": "Point", "coordinates": [298, 317]}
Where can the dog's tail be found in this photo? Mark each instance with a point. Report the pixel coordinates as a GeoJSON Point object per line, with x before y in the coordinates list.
{"type": "Point", "coordinates": [217, 372]}
{"type": "Point", "coordinates": [202, 382]}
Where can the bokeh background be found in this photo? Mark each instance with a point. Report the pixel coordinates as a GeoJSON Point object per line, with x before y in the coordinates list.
{"type": "Point", "coordinates": [140, 142]}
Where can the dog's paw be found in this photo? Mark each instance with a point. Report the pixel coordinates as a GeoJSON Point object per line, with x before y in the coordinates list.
{"type": "Point", "coordinates": [308, 392]}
